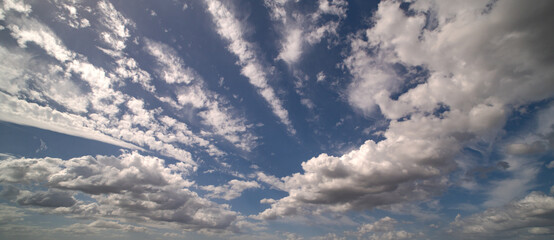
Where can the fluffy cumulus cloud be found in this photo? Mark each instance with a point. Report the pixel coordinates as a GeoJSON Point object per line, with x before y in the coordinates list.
{"type": "Point", "coordinates": [482, 61]}
{"type": "Point", "coordinates": [232, 30]}
{"type": "Point", "coordinates": [527, 218]}
{"type": "Point", "coordinates": [130, 186]}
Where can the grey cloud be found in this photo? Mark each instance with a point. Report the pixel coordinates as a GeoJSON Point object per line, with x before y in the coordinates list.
{"type": "Point", "coordinates": [130, 186]}
{"type": "Point", "coordinates": [50, 198]}
{"type": "Point", "coordinates": [532, 215]}
{"type": "Point", "coordinates": [28, 170]}
{"type": "Point", "coordinates": [9, 214]}
{"type": "Point", "coordinates": [329, 236]}
{"type": "Point", "coordinates": [99, 226]}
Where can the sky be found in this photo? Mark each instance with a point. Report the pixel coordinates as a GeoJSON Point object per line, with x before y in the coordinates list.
{"type": "Point", "coordinates": [276, 119]}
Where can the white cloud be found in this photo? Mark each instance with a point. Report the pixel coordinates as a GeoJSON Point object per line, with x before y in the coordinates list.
{"type": "Point", "coordinates": [267, 201]}
{"type": "Point", "coordinates": [461, 76]}
{"type": "Point", "coordinates": [192, 91]}
{"type": "Point", "coordinates": [14, 5]}
{"type": "Point", "coordinates": [229, 28]}
{"type": "Point", "coordinates": [114, 29]}
{"type": "Point", "coordinates": [68, 12]}
{"type": "Point", "coordinates": [49, 81]}
{"type": "Point", "coordinates": [233, 189]}
{"type": "Point", "coordinates": [321, 76]}
{"type": "Point", "coordinates": [272, 181]}
{"type": "Point", "coordinates": [128, 68]}
{"type": "Point", "coordinates": [103, 98]}
{"type": "Point", "coordinates": [292, 47]}
{"type": "Point", "coordinates": [308, 103]}
{"type": "Point", "coordinates": [298, 29]}
{"type": "Point", "coordinates": [479, 79]}
{"type": "Point", "coordinates": [516, 220]}
{"type": "Point", "coordinates": [18, 111]}
{"type": "Point", "coordinates": [116, 26]}
{"type": "Point", "coordinates": [172, 68]}
{"type": "Point", "coordinates": [30, 30]}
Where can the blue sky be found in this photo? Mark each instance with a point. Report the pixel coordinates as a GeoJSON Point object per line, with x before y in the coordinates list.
{"type": "Point", "coordinates": [283, 119]}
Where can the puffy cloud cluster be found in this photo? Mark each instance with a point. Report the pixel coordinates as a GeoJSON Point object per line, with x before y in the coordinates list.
{"type": "Point", "coordinates": [481, 60]}
{"type": "Point", "coordinates": [519, 219]}
{"type": "Point", "coordinates": [480, 57]}
{"type": "Point", "coordinates": [231, 29]}
{"type": "Point", "coordinates": [131, 186]}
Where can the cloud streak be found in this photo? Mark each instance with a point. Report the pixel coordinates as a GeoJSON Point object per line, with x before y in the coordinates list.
{"type": "Point", "coordinates": [230, 29]}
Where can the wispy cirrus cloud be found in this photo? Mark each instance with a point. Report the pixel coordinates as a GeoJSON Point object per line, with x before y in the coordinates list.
{"type": "Point", "coordinates": [191, 91]}
{"type": "Point", "coordinates": [231, 29]}
{"type": "Point", "coordinates": [233, 189]}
